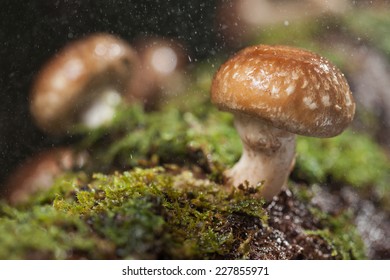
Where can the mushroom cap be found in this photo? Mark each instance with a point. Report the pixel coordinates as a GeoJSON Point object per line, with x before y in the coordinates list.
{"type": "Point", "coordinates": [162, 56]}
{"type": "Point", "coordinates": [162, 66]}
{"type": "Point", "coordinates": [39, 172]}
{"type": "Point", "coordinates": [289, 88]}
{"type": "Point", "coordinates": [77, 74]}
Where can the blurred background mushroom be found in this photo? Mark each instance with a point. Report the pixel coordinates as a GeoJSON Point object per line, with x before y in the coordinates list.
{"type": "Point", "coordinates": [40, 171]}
{"type": "Point", "coordinates": [83, 84]}
{"type": "Point", "coordinates": [162, 71]}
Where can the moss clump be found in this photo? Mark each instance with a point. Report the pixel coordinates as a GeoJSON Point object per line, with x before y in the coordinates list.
{"type": "Point", "coordinates": [204, 139]}
{"type": "Point", "coordinates": [152, 213]}
{"type": "Point", "coordinates": [140, 214]}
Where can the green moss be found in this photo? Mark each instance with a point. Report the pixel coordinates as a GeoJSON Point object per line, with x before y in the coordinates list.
{"type": "Point", "coordinates": [203, 137]}
{"type": "Point", "coordinates": [140, 214]}
{"type": "Point", "coordinates": [350, 158]}
{"type": "Point", "coordinates": [44, 233]}
{"type": "Point", "coordinates": [145, 213]}
{"type": "Point", "coordinates": [340, 233]}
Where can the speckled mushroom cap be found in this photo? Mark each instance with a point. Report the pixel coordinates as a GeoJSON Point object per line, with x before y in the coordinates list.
{"type": "Point", "coordinates": [290, 88]}
{"type": "Point", "coordinates": [68, 82]}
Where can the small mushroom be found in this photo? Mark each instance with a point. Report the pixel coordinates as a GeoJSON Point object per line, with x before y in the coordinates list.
{"type": "Point", "coordinates": [39, 172]}
{"type": "Point", "coordinates": [83, 83]}
{"type": "Point", "coordinates": [162, 69]}
{"type": "Point", "coordinates": [274, 93]}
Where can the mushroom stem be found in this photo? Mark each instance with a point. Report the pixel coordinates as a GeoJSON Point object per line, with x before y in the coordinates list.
{"type": "Point", "coordinates": [101, 110]}
{"type": "Point", "coordinates": [268, 156]}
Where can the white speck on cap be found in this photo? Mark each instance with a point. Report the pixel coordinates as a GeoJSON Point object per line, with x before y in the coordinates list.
{"type": "Point", "coordinates": [305, 83]}
{"type": "Point", "coordinates": [59, 81]}
{"type": "Point", "coordinates": [290, 89]}
{"type": "Point", "coordinates": [326, 100]}
{"type": "Point", "coordinates": [73, 69]}
{"type": "Point", "coordinates": [310, 103]}
{"type": "Point", "coordinates": [275, 91]}
{"type": "Point", "coordinates": [114, 50]}
{"type": "Point", "coordinates": [324, 67]}
{"type": "Point", "coordinates": [100, 49]}
{"type": "Point", "coordinates": [164, 60]}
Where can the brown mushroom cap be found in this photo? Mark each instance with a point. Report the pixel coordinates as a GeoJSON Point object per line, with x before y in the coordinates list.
{"type": "Point", "coordinates": [39, 172]}
{"type": "Point", "coordinates": [77, 74]}
{"type": "Point", "coordinates": [289, 88]}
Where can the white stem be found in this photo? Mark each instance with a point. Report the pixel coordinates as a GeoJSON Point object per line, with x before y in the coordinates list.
{"type": "Point", "coordinates": [102, 109]}
{"type": "Point", "coordinates": [268, 156]}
